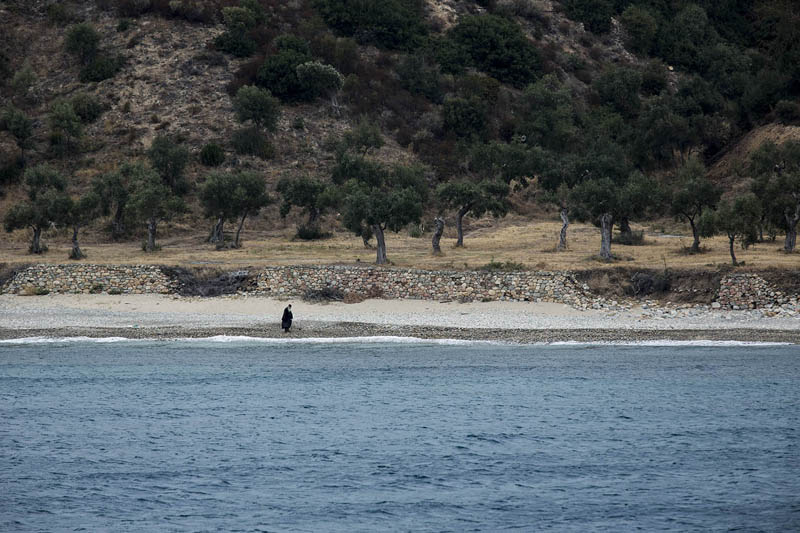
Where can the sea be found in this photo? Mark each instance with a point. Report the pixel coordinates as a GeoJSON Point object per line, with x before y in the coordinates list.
{"type": "Point", "coordinates": [397, 434]}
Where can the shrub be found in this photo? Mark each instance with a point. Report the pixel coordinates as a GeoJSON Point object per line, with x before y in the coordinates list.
{"type": "Point", "coordinates": [115, 291]}
{"type": "Point", "coordinates": [82, 41]}
{"type": "Point", "coordinates": [311, 232]}
{"type": "Point", "coordinates": [326, 294]}
{"type": "Point", "coordinates": [641, 27]}
{"type": "Point", "coordinates": [417, 77]}
{"type": "Point", "coordinates": [212, 155]}
{"type": "Point", "coordinates": [236, 39]}
{"type": "Point", "coordinates": [619, 87]}
{"type": "Point", "coordinates": [133, 8]}
{"type": "Point", "coordinates": [395, 24]}
{"type": "Point", "coordinates": [595, 14]}
{"type": "Point", "coordinates": [59, 14]}
{"type": "Point", "coordinates": [23, 79]}
{"type": "Point", "coordinates": [87, 107]}
{"type": "Point", "coordinates": [279, 71]}
{"type": "Point", "coordinates": [341, 52]}
{"type": "Point", "coordinates": [123, 25]}
{"type": "Point", "coordinates": [250, 141]}
{"type": "Point", "coordinates": [508, 266]}
{"type": "Point", "coordinates": [169, 158]}
{"type": "Point", "coordinates": [101, 67]}
{"type": "Point", "coordinates": [788, 112]}
{"type": "Point", "coordinates": [464, 117]}
{"type": "Point", "coordinates": [97, 288]}
{"type": "Point", "coordinates": [258, 106]}
{"type": "Point", "coordinates": [317, 80]}
{"type": "Point", "coordinates": [11, 171]}
{"type": "Point", "coordinates": [633, 238]}
{"type": "Point", "coordinates": [498, 47]}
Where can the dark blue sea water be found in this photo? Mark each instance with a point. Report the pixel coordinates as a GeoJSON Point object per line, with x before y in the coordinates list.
{"type": "Point", "coordinates": [383, 436]}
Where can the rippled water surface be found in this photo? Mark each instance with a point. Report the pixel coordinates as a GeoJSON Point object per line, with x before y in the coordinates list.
{"type": "Point", "coordinates": [248, 436]}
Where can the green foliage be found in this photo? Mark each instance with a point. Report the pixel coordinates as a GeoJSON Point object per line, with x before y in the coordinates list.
{"type": "Point", "coordinates": [619, 88]}
{"type": "Point", "coordinates": [465, 118]}
{"type": "Point", "coordinates": [169, 160]}
{"type": "Point", "coordinates": [310, 194]}
{"type": "Point", "coordinates": [547, 117]}
{"type": "Point", "coordinates": [419, 77]}
{"type": "Point", "coordinates": [251, 141]}
{"type": "Point", "coordinates": [23, 80]}
{"type": "Point", "coordinates": [641, 27]}
{"type": "Point", "coordinates": [738, 219]}
{"type": "Point", "coordinates": [317, 80]}
{"type": "Point", "coordinates": [360, 140]}
{"type": "Point", "coordinates": [101, 67]}
{"type": "Point", "coordinates": [341, 52]}
{"type": "Point", "coordinates": [258, 106]}
{"type": "Point", "coordinates": [47, 204]}
{"type": "Point", "coordinates": [394, 24]}
{"type": "Point", "coordinates": [17, 123]}
{"type": "Point", "coordinates": [654, 78]}
{"type": "Point", "coordinates": [279, 71]}
{"type": "Point", "coordinates": [693, 194]}
{"type": "Point", "coordinates": [496, 46]}
{"type": "Point", "coordinates": [475, 198]}
{"type": "Point", "coordinates": [230, 196]}
{"type": "Point", "coordinates": [10, 171]}
{"type": "Point", "coordinates": [123, 25]}
{"type": "Point", "coordinates": [500, 266]}
{"type": "Point", "coordinates": [239, 21]}
{"type": "Point", "coordinates": [595, 14]}
{"type": "Point", "coordinates": [152, 201]}
{"type": "Point", "coordinates": [65, 124]}
{"type": "Point", "coordinates": [59, 14]}
{"type": "Point", "coordinates": [87, 107]}
{"type": "Point", "coordinates": [788, 112]}
{"type": "Point", "coordinates": [212, 155]}
{"type": "Point", "coordinates": [82, 41]}
{"type": "Point", "coordinates": [775, 170]}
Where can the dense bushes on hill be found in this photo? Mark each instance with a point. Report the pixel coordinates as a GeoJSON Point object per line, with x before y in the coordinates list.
{"type": "Point", "coordinates": [394, 24]}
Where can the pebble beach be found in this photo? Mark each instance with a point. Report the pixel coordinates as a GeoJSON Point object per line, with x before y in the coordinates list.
{"type": "Point", "coordinates": [168, 316]}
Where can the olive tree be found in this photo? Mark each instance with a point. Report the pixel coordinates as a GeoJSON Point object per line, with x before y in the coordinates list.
{"type": "Point", "coordinates": [310, 194]}
{"type": "Point", "coordinates": [232, 196]}
{"type": "Point", "coordinates": [776, 173]}
{"type": "Point", "coordinates": [169, 159]}
{"type": "Point", "coordinates": [474, 199]}
{"type": "Point", "coordinates": [737, 219]}
{"type": "Point", "coordinates": [46, 205]}
{"type": "Point", "coordinates": [17, 123]}
{"type": "Point", "coordinates": [79, 213]}
{"type": "Point", "coordinates": [152, 201]}
{"type": "Point", "coordinates": [693, 194]}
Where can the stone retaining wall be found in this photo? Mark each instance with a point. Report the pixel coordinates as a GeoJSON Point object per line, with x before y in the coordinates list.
{"type": "Point", "coordinates": [85, 278]}
{"type": "Point", "coordinates": [750, 291]}
{"type": "Point", "coordinates": [422, 284]}
{"type": "Point", "coordinates": [736, 291]}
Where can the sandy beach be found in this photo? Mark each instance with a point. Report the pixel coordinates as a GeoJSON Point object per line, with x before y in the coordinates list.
{"type": "Point", "coordinates": [163, 316]}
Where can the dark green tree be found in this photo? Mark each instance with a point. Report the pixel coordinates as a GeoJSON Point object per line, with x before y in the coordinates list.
{"type": "Point", "coordinates": [113, 192]}
{"type": "Point", "coordinates": [547, 116]}
{"type": "Point", "coordinates": [474, 199]}
{"type": "Point", "coordinates": [232, 196]}
{"type": "Point", "coordinates": [310, 194]}
{"type": "Point", "coordinates": [776, 173]}
{"type": "Point", "coordinates": [65, 125]}
{"type": "Point", "coordinates": [320, 81]}
{"type": "Point", "coordinates": [17, 123]}
{"type": "Point", "coordinates": [169, 159]}
{"type": "Point", "coordinates": [641, 27]}
{"type": "Point", "coordinates": [236, 38]}
{"type": "Point", "coordinates": [82, 41]}
{"type": "Point", "coordinates": [383, 198]}
{"type": "Point", "coordinates": [46, 204]}
{"type": "Point", "coordinates": [738, 219]}
{"type": "Point", "coordinates": [258, 106]}
{"type": "Point", "coordinates": [278, 73]}
{"type": "Point", "coordinates": [152, 201]}
{"type": "Point", "coordinates": [79, 213]}
{"type": "Point", "coordinates": [692, 195]}
{"type": "Point", "coordinates": [394, 24]}
{"type": "Point", "coordinates": [595, 14]}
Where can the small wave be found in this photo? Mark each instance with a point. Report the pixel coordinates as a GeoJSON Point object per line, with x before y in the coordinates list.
{"type": "Point", "coordinates": [668, 342]}
{"type": "Point", "coordinates": [256, 340]}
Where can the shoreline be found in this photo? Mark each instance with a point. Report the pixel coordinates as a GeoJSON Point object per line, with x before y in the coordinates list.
{"type": "Point", "coordinates": [362, 330]}
{"type": "Point", "coordinates": [171, 317]}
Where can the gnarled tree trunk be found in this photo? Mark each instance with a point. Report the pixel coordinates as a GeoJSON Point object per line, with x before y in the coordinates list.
{"type": "Point", "coordinates": [236, 243]}
{"type": "Point", "coordinates": [36, 241]}
{"type": "Point", "coordinates": [460, 224]}
{"type": "Point", "coordinates": [437, 234]}
{"type": "Point", "coordinates": [606, 225]}
{"type": "Point", "coordinates": [151, 235]}
{"type": "Point", "coordinates": [76, 252]}
{"type": "Point", "coordinates": [217, 235]}
{"type": "Point", "coordinates": [791, 229]}
{"type": "Point", "coordinates": [379, 237]}
{"type": "Point", "coordinates": [695, 235]}
{"type": "Point", "coordinates": [562, 236]}
{"type": "Point", "coordinates": [731, 239]}
{"type": "Point", "coordinates": [117, 223]}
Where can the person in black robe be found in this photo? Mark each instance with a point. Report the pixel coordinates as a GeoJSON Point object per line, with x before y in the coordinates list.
{"type": "Point", "coordinates": [286, 319]}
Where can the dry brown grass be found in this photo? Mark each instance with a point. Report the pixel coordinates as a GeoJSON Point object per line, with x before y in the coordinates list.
{"type": "Point", "coordinates": [530, 242]}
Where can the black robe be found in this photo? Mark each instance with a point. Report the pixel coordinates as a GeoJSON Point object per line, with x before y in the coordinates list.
{"type": "Point", "coordinates": [286, 320]}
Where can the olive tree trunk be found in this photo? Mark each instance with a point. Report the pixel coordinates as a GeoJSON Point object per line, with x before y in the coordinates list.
{"type": "Point", "coordinates": [76, 252]}
{"type": "Point", "coordinates": [731, 239]}
{"type": "Point", "coordinates": [236, 243]}
{"type": "Point", "coordinates": [625, 229]}
{"type": "Point", "coordinates": [381, 247]}
{"type": "Point", "coordinates": [695, 235]}
{"type": "Point", "coordinates": [150, 246]}
{"type": "Point", "coordinates": [117, 223]}
{"type": "Point", "coordinates": [791, 229]}
{"type": "Point", "coordinates": [606, 225]}
{"type": "Point", "coordinates": [562, 236]}
{"type": "Point", "coordinates": [437, 235]}
{"type": "Point", "coordinates": [217, 235]}
{"type": "Point", "coordinates": [36, 241]}
{"type": "Point", "coordinates": [460, 224]}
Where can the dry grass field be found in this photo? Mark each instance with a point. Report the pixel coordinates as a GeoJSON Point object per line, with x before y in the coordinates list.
{"type": "Point", "coordinates": [515, 239]}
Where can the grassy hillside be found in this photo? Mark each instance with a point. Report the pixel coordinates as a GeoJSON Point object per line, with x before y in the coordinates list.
{"type": "Point", "coordinates": [532, 93]}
